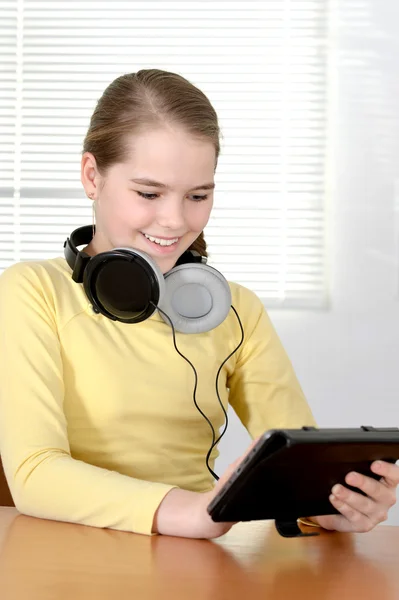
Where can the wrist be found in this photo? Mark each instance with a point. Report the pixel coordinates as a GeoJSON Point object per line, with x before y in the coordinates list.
{"type": "Point", "coordinates": [184, 513]}
{"type": "Point", "coordinates": [176, 513]}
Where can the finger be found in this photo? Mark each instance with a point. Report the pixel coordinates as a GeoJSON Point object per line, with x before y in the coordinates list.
{"type": "Point", "coordinates": [362, 504]}
{"type": "Point", "coordinates": [377, 490]}
{"type": "Point", "coordinates": [249, 449]}
{"type": "Point", "coordinates": [388, 471]}
{"type": "Point", "coordinates": [234, 465]}
{"type": "Point", "coordinates": [335, 523]}
{"type": "Point", "coordinates": [359, 522]}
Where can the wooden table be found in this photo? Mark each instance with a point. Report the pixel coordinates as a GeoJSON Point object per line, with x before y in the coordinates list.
{"type": "Point", "coordinates": [45, 560]}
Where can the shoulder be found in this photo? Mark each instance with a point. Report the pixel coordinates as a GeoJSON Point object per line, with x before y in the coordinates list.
{"type": "Point", "coordinates": [43, 274]}
{"type": "Point", "coordinates": [245, 298]}
{"type": "Point", "coordinates": [250, 308]}
{"type": "Point", "coordinates": [45, 283]}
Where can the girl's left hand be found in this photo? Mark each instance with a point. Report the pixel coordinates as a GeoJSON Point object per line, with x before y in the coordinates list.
{"type": "Point", "coordinates": [362, 513]}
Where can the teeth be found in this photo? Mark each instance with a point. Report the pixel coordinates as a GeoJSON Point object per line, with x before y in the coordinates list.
{"type": "Point", "coordinates": [159, 241]}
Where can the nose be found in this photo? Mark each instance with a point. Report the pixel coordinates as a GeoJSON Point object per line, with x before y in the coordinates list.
{"type": "Point", "coordinates": [170, 214]}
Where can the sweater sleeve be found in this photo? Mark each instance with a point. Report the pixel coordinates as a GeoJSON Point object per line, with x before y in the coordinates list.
{"type": "Point", "coordinates": [45, 481]}
{"type": "Point", "coordinates": [264, 390]}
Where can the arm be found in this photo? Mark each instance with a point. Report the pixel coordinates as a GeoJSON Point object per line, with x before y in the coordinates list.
{"type": "Point", "coordinates": [264, 390]}
{"type": "Point", "coordinates": [44, 479]}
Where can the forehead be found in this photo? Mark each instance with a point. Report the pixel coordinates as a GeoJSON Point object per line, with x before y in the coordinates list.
{"type": "Point", "coordinates": [167, 150]}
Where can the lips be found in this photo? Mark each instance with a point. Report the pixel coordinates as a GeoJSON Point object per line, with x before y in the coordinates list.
{"type": "Point", "coordinates": [162, 241]}
{"type": "Point", "coordinates": [161, 245]}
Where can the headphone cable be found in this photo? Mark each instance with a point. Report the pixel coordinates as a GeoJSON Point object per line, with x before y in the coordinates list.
{"type": "Point", "coordinates": [217, 390]}
{"type": "Point", "coordinates": [214, 440]}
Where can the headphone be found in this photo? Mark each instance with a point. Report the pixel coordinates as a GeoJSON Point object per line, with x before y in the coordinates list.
{"type": "Point", "coordinates": [126, 284]}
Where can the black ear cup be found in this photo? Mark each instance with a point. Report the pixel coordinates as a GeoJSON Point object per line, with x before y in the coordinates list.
{"type": "Point", "coordinates": [123, 285]}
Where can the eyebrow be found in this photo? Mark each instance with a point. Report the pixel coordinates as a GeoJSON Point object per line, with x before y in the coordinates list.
{"type": "Point", "coordinates": [157, 184]}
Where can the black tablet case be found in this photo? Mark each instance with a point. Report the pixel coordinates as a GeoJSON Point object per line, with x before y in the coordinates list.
{"type": "Point", "coordinates": [289, 473]}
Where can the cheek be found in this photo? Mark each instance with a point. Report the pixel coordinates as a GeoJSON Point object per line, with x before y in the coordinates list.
{"type": "Point", "coordinates": [199, 216]}
{"type": "Point", "coordinates": [128, 212]}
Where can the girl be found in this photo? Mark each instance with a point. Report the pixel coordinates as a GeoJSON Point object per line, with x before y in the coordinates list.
{"type": "Point", "coordinates": [98, 423]}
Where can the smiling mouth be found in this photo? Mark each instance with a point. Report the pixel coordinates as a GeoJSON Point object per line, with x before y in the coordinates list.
{"type": "Point", "coordinates": [163, 242]}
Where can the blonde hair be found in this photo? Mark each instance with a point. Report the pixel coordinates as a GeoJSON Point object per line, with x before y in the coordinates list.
{"type": "Point", "coordinates": [149, 98]}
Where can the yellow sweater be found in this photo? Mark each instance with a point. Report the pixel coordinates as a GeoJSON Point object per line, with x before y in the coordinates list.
{"type": "Point", "coordinates": [97, 420]}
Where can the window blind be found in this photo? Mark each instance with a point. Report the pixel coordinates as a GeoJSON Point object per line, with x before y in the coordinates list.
{"type": "Point", "coordinates": [262, 64]}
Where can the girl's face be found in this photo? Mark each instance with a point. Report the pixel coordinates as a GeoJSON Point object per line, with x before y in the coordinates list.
{"type": "Point", "coordinates": [158, 200]}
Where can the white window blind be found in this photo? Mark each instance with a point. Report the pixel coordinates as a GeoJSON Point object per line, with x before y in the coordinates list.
{"type": "Point", "coordinates": [263, 66]}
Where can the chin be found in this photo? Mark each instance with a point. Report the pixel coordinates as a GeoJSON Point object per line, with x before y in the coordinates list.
{"type": "Point", "coordinates": [166, 264]}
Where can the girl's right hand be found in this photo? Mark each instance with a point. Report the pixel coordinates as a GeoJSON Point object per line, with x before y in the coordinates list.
{"type": "Point", "coordinates": [184, 513]}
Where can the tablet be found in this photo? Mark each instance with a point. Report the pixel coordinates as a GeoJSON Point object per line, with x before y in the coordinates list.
{"type": "Point", "coordinates": [289, 473]}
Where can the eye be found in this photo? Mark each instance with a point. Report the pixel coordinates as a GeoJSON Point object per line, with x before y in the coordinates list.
{"type": "Point", "coordinates": [147, 196]}
{"type": "Point", "coordinates": [199, 198]}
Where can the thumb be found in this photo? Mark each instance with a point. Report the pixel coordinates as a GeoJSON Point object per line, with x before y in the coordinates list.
{"type": "Point", "coordinates": [233, 466]}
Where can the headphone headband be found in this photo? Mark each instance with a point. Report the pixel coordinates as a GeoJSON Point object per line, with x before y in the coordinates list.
{"type": "Point", "coordinates": [75, 259]}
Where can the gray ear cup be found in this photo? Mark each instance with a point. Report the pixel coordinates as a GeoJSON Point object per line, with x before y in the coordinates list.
{"type": "Point", "coordinates": [197, 298]}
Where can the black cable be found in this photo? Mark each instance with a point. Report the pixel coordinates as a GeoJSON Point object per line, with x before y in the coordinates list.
{"type": "Point", "coordinates": [214, 440]}
{"type": "Point", "coordinates": [217, 389]}
{"type": "Point", "coordinates": [195, 383]}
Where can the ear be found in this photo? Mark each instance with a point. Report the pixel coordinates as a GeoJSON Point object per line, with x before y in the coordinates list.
{"type": "Point", "coordinates": [89, 175]}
